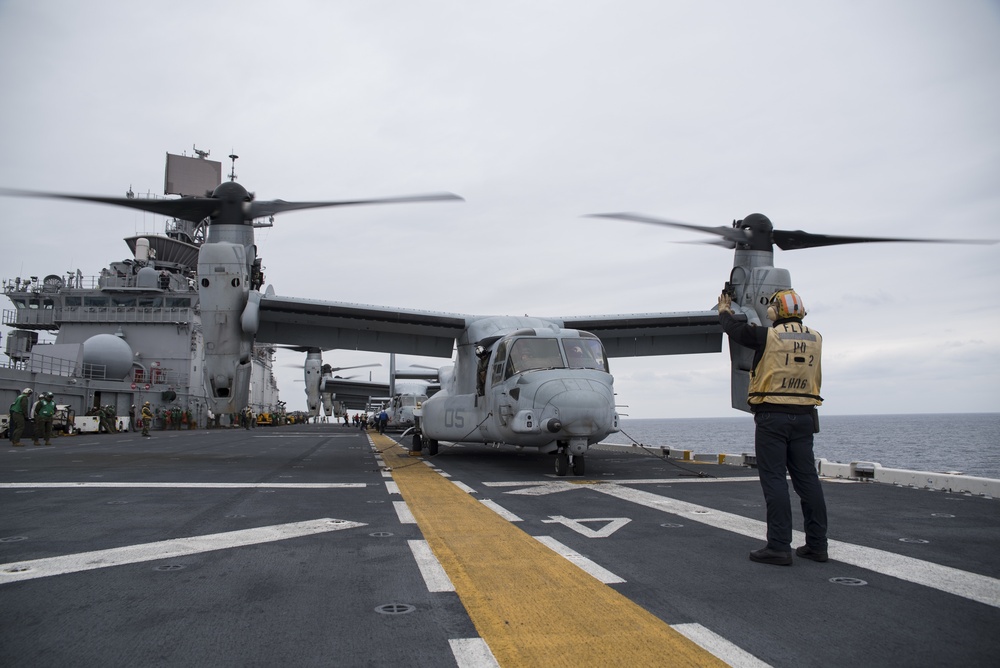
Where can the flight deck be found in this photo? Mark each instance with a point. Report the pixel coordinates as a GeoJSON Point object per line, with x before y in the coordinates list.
{"type": "Point", "coordinates": [325, 545]}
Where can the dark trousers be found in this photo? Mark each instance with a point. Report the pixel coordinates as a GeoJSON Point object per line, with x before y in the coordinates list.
{"type": "Point", "coordinates": [16, 427]}
{"type": "Point", "coordinates": [784, 442]}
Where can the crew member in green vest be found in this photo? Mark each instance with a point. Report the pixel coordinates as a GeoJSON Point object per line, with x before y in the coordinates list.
{"type": "Point", "coordinates": [18, 414]}
{"type": "Point", "coordinates": [42, 412]}
{"type": "Point", "coordinates": [783, 396]}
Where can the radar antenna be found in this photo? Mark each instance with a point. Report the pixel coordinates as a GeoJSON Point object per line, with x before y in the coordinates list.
{"type": "Point", "coordinates": [200, 154]}
{"type": "Point", "coordinates": [232, 172]}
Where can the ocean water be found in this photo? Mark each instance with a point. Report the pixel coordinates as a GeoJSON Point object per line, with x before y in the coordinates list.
{"type": "Point", "coordinates": [964, 442]}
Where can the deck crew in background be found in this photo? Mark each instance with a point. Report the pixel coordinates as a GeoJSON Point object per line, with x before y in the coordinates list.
{"type": "Point", "coordinates": [18, 414]}
{"type": "Point", "coordinates": [147, 418]}
{"type": "Point", "coordinates": [784, 393]}
{"type": "Point", "coordinates": [42, 413]}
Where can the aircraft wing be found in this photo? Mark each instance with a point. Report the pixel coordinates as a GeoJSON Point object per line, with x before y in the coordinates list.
{"type": "Point", "coordinates": [345, 326]}
{"type": "Point", "coordinates": [642, 334]}
{"type": "Point", "coordinates": [354, 393]}
{"type": "Point", "coordinates": [328, 325]}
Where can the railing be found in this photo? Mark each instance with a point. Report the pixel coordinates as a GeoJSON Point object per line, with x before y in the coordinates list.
{"type": "Point", "coordinates": [57, 366]}
{"type": "Point", "coordinates": [52, 318]}
{"type": "Point", "coordinates": [160, 377]}
{"type": "Point", "coordinates": [60, 366]}
{"type": "Point", "coordinates": [72, 281]}
{"type": "Point", "coordinates": [30, 318]}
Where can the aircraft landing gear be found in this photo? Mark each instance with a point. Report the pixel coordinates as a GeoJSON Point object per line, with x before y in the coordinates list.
{"type": "Point", "coordinates": [417, 445]}
{"type": "Point", "coordinates": [562, 463]}
{"type": "Point", "coordinates": [565, 459]}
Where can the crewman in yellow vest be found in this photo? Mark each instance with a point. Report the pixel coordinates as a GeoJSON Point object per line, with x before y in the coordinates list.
{"type": "Point", "coordinates": [784, 393]}
{"type": "Point", "coordinates": [147, 418]}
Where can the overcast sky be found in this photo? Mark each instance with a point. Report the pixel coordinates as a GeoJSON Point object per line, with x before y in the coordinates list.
{"type": "Point", "coordinates": [875, 117]}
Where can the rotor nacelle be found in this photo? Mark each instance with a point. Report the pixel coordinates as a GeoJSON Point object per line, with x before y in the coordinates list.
{"type": "Point", "coordinates": [758, 229]}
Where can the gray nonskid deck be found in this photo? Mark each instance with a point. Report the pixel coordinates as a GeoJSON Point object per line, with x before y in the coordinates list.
{"type": "Point", "coordinates": [355, 596]}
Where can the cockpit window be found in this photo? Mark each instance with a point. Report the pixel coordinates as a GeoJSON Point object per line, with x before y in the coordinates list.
{"type": "Point", "coordinates": [585, 354]}
{"type": "Point", "coordinates": [534, 353]}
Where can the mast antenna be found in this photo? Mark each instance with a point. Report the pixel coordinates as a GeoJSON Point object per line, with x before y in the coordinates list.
{"type": "Point", "coordinates": [232, 172]}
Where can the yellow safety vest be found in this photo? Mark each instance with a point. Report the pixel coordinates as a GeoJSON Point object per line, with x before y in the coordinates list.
{"type": "Point", "coordinates": [789, 371]}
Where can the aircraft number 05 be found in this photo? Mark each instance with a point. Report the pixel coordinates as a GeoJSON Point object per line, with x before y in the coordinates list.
{"type": "Point", "coordinates": [454, 418]}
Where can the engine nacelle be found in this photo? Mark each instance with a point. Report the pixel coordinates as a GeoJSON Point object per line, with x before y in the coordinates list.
{"type": "Point", "coordinates": [223, 289]}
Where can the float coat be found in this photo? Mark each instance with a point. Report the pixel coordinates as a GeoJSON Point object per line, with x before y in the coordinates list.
{"type": "Point", "coordinates": [789, 371]}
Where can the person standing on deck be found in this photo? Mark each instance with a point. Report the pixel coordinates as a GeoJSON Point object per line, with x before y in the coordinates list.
{"type": "Point", "coordinates": [147, 418]}
{"type": "Point", "coordinates": [783, 396]}
{"type": "Point", "coordinates": [18, 413]}
{"type": "Point", "coordinates": [42, 413]}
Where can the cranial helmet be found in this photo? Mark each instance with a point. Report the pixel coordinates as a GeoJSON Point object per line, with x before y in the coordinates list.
{"type": "Point", "coordinates": [26, 390]}
{"type": "Point", "coordinates": [146, 403]}
{"type": "Point", "coordinates": [787, 304]}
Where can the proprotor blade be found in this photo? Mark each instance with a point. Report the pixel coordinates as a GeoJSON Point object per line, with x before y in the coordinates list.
{"type": "Point", "coordinates": [272, 207]}
{"type": "Point", "coordinates": [755, 232]}
{"type": "Point", "coordinates": [795, 239]}
{"type": "Point", "coordinates": [193, 209]}
{"type": "Point", "coordinates": [196, 209]}
{"type": "Point", "coordinates": [732, 235]}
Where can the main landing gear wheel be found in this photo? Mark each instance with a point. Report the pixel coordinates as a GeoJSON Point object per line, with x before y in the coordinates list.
{"type": "Point", "coordinates": [562, 463]}
{"type": "Point", "coordinates": [579, 465]}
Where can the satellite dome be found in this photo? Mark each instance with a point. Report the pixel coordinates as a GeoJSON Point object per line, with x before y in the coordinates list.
{"type": "Point", "coordinates": [148, 278]}
{"type": "Point", "coordinates": [107, 353]}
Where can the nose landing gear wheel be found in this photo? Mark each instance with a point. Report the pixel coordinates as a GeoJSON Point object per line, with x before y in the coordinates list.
{"type": "Point", "coordinates": [578, 465]}
{"type": "Point", "coordinates": [562, 463]}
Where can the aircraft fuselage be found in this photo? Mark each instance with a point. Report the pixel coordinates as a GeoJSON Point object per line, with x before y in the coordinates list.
{"type": "Point", "coordinates": [524, 382]}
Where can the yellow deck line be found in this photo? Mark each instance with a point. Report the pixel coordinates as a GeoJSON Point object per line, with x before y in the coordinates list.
{"type": "Point", "coordinates": [531, 606]}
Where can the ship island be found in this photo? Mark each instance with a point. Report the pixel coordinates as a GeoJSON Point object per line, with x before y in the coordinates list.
{"type": "Point", "coordinates": [104, 344]}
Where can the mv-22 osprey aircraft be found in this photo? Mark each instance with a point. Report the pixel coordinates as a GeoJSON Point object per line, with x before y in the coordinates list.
{"type": "Point", "coordinates": [545, 383]}
{"type": "Point", "coordinates": [534, 382]}
{"type": "Point", "coordinates": [338, 395]}
{"type": "Point", "coordinates": [320, 383]}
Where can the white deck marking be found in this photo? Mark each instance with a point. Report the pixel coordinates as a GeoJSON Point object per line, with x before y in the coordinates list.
{"type": "Point", "coordinates": [313, 436]}
{"type": "Point", "coordinates": [433, 467]}
{"type": "Point", "coordinates": [391, 487]}
{"type": "Point", "coordinates": [542, 488]}
{"type": "Point", "coordinates": [611, 525]}
{"type": "Point", "coordinates": [472, 653]}
{"type": "Point", "coordinates": [167, 549]}
{"type": "Point", "coordinates": [430, 568]}
{"type": "Point", "coordinates": [465, 488]}
{"type": "Point", "coordinates": [501, 511]}
{"type": "Point", "coordinates": [972, 586]}
{"type": "Point", "coordinates": [403, 512]}
{"type": "Point", "coordinates": [602, 574]}
{"type": "Point", "coordinates": [719, 646]}
{"type": "Point", "coordinates": [184, 485]}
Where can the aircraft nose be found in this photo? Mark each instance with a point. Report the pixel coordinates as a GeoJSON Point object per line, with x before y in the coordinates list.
{"type": "Point", "coordinates": [582, 408]}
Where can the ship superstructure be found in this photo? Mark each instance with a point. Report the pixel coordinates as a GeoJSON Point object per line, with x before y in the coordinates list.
{"type": "Point", "coordinates": [131, 334]}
